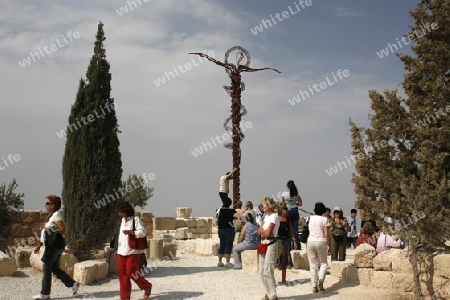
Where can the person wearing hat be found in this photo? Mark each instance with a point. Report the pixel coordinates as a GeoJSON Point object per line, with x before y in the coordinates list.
{"type": "Point", "coordinates": [248, 240]}
{"type": "Point", "coordinates": [339, 228]}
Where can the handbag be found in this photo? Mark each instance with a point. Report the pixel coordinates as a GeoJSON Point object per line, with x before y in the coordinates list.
{"type": "Point", "coordinates": [53, 238]}
{"type": "Point", "coordinates": [262, 248]}
{"type": "Point", "coordinates": [216, 219]}
{"type": "Point", "coordinates": [142, 261]}
{"type": "Point", "coordinates": [137, 243]}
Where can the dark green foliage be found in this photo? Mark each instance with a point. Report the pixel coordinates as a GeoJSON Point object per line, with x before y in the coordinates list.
{"type": "Point", "coordinates": [135, 192]}
{"type": "Point", "coordinates": [411, 172]}
{"type": "Point", "coordinates": [92, 165]}
{"type": "Point", "coordinates": [10, 202]}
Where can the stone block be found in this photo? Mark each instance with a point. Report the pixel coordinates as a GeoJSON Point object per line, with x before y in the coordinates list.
{"type": "Point", "coordinates": [29, 217]}
{"type": "Point", "coordinates": [382, 280]}
{"type": "Point", "coordinates": [400, 261]}
{"type": "Point", "coordinates": [383, 261]}
{"type": "Point", "coordinates": [7, 265]}
{"type": "Point", "coordinates": [201, 222]}
{"type": "Point", "coordinates": [169, 236]}
{"type": "Point", "coordinates": [156, 249]}
{"type": "Point", "coordinates": [66, 263]}
{"type": "Point", "coordinates": [164, 223]}
{"type": "Point", "coordinates": [362, 276]}
{"type": "Point", "coordinates": [206, 247]}
{"type": "Point", "coordinates": [441, 264]}
{"type": "Point", "coordinates": [97, 254]}
{"type": "Point", "coordinates": [250, 260]}
{"type": "Point", "coordinates": [181, 233]}
{"type": "Point", "coordinates": [147, 217]}
{"type": "Point", "coordinates": [89, 271]}
{"type": "Point", "coordinates": [184, 212]}
{"type": "Point", "coordinates": [214, 230]}
{"type": "Point", "coordinates": [191, 223]}
{"type": "Point", "coordinates": [187, 246]}
{"type": "Point", "coordinates": [180, 223]}
{"type": "Point", "coordinates": [22, 256]}
{"type": "Point", "coordinates": [170, 250]}
{"type": "Point", "coordinates": [339, 269]}
{"type": "Point", "coordinates": [21, 231]}
{"type": "Point", "coordinates": [300, 259]}
{"type": "Point", "coordinates": [111, 259]}
{"type": "Point", "coordinates": [202, 236]}
{"type": "Point", "coordinates": [403, 281]}
{"type": "Point", "coordinates": [364, 255]}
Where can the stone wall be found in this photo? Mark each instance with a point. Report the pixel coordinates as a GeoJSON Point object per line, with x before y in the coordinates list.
{"type": "Point", "coordinates": [392, 270]}
{"type": "Point", "coordinates": [26, 228]}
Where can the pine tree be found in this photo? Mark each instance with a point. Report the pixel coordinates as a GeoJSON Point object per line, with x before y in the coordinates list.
{"type": "Point", "coordinates": [412, 170]}
{"type": "Point", "coordinates": [10, 203]}
{"type": "Point", "coordinates": [92, 165]}
{"type": "Point", "coordinates": [135, 192]}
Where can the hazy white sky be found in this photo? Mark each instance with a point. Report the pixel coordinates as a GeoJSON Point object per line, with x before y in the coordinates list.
{"type": "Point", "coordinates": [162, 124]}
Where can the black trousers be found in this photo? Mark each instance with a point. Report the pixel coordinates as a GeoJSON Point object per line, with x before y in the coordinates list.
{"type": "Point", "coordinates": [51, 260]}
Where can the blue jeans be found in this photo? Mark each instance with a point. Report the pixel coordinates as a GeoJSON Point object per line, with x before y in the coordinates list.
{"type": "Point", "coordinates": [226, 237]}
{"type": "Point", "coordinates": [294, 217]}
{"type": "Point", "coordinates": [51, 265]}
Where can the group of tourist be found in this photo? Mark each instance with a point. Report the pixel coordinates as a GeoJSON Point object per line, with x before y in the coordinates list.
{"type": "Point", "coordinates": [274, 226]}
{"type": "Point", "coordinates": [127, 257]}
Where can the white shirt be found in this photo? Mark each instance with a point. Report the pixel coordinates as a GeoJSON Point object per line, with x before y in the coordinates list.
{"type": "Point", "coordinates": [272, 219]}
{"type": "Point", "coordinates": [51, 223]}
{"type": "Point", "coordinates": [355, 226]}
{"type": "Point", "coordinates": [140, 232]}
{"type": "Point", "coordinates": [316, 225]}
{"type": "Point", "coordinates": [223, 184]}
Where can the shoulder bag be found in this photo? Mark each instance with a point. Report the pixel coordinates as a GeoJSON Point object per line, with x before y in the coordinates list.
{"type": "Point", "coordinates": [137, 243]}
{"type": "Point", "coordinates": [305, 232]}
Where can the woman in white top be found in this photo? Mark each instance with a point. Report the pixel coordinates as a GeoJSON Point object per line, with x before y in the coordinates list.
{"type": "Point", "coordinates": [127, 257]}
{"type": "Point", "coordinates": [52, 237]}
{"type": "Point", "coordinates": [316, 246]}
{"type": "Point", "coordinates": [268, 231]}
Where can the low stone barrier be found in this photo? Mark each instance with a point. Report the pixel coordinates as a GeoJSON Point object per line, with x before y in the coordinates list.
{"type": "Point", "coordinates": [7, 265]}
{"type": "Point", "coordinates": [89, 271]}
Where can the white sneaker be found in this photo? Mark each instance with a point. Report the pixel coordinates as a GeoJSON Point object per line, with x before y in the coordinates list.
{"type": "Point", "coordinates": [229, 265]}
{"type": "Point", "coordinates": [40, 296]}
{"type": "Point", "coordinates": [75, 287]}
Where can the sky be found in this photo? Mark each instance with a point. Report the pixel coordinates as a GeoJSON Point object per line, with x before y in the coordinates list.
{"type": "Point", "coordinates": [296, 127]}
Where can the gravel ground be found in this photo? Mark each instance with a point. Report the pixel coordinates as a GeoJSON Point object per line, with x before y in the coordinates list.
{"type": "Point", "coordinates": [191, 277]}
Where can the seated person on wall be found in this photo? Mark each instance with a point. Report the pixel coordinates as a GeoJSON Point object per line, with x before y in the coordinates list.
{"type": "Point", "coordinates": [248, 240]}
{"type": "Point", "coordinates": [386, 241]}
{"type": "Point", "coordinates": [367, 235]}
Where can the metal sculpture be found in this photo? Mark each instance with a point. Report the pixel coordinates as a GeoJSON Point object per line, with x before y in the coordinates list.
{"type": "Point", "coordinates": [237, 108]}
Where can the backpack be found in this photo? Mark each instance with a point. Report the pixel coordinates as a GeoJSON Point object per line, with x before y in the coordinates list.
{"type": "Point", "coordinates": [305, 232]}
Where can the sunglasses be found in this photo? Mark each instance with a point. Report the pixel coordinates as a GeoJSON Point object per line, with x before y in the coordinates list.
{"type": "Point", "coordinates": [48, 203]}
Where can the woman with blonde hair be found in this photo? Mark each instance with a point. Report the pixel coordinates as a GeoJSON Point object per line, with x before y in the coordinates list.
{"type": "Point", "coordinates": [268, 231]}
{"type": "Point", "coordinates": [52, 237]}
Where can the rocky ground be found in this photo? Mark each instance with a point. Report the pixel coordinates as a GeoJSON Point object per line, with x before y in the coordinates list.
{"type": "Point", "coordinates": [191, 277]}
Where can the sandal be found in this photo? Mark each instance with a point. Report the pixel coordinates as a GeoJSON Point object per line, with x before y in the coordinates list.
{"type": "Point", "coordinates": [148, 292]}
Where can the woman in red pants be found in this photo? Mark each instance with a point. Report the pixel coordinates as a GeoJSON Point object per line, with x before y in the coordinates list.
{"type": "Point", "coordinates": [128, 258]}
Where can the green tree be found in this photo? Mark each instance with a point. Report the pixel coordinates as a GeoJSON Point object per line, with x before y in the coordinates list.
{"type": "Point", "coordinates": [92, 165]}
{"type": "Point", "coordinates": [403, 157]}
{"type": "Point", "coordinates": [10, 202]}
{"type": "Point", "coordinates": [135, 192]}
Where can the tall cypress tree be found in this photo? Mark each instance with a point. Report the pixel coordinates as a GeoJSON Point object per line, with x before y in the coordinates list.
{"type": "Point", "coordinates": [406, 173]}
{"type": "Point", "coordinates": [92, 165]}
